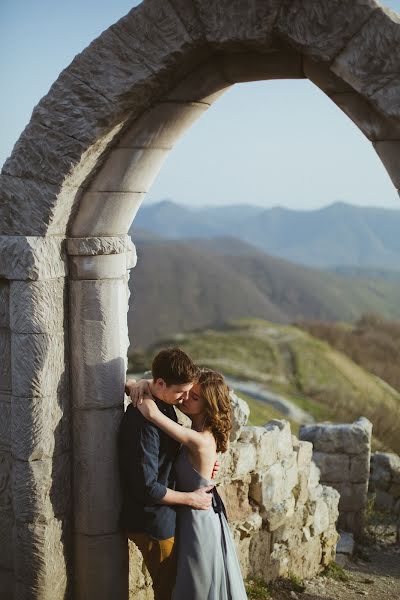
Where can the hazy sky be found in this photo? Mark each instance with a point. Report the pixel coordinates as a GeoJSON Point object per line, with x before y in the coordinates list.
{"type": "Point", "coordinates": [267, 143]}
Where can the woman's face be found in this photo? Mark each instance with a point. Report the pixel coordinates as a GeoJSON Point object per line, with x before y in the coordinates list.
{"type": "Point", "coordinates": [194, 404]}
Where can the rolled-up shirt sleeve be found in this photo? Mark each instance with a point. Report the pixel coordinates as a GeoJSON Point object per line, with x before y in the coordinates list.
{"type": "Point", "coordinates": [149, 447]}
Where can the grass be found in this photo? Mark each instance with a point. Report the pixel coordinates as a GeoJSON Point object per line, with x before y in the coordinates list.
{"type": "Point", "coordinates": [336, 572]}
{"type": "Point", "coordinates": [290, 361]}
{"type": "Point", "coordinates": [261, 413]}
{"type": "Point", "coordinates": [257, 589]}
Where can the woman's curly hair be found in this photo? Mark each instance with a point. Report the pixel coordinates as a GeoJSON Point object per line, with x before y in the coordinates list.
{"type": "Point", "coordinates": [218, 406]}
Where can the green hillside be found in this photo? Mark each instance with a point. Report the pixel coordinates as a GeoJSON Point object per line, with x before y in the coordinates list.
{"type": "Point", "coordinates": [308, 371]}
{"type": "Point", "coordinates": [181, 286]}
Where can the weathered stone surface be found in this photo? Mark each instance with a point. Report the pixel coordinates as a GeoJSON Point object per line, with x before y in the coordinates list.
{"type": "Point", "coordinates": [265, 443]}
{"type": "Point", "coordinates": [321, 75]}
{"type": "Point", "coordinates": [37, 307]}
{"type": "Point", "coordinates": [41, 488]}
{"type": "Point", "coordinates": [371, 122]}
{"type": "Point", "coordinates": [228, 23]}
{"type": "Point", "coordinates": [162, 125]}
{"type": "Point", "coordinates": [244, 458]}
{"type": "Point", "coordinates": [100, 267]}
{"type": "Point", "coordinates": [7, 581]}
{"type": "Point", "coordinates": [304, 451]}
{"type": "Point", "coordinates": [31, 257]}
{"type": "Point", "coordinates": [40, 564]}
{"type": "Point", "coordinates": [129, 170]}
{"type": "Point", "coordinates": [4, 303]}
{"type": "Point", "coordinates": [351, 521]}
{"type": "Point", "coordinates": [92, 246]}
{"type": "Point", "coordinates": [346, 543]}
{"type": "Point", "coordinates": [347, 439]}
{"type": "Point", "coordinates": [372, 58]}
{"type": "Point", "coordinates": [96, 478]}
{"type": "Point", "coordinates": [252, 66]}
{"type": "Point", "coordinates": [104, 214]}
{"type": "Point", "coordinates": [40, 427]}
{"type": "Point", "coordinates": [284, 436]}
{"type": "Point", "coordinates": [333, 467]}
{"type": "Point", "coordinates": [389, 153]}
{"type": "Point", "coordinates": [98, 334]}
{"type": "Point", "coordinates": [331, 498]}
{"type": "Point", "coordinates": [5, 362]}
{"type": "Point", "coordinates": [6, 464]}
{"type": "Point", "coordinates": [240, 415]}
{"type": "Point", "coordinates": [5, 421]}
{"type": "Point", "coordinates": [321, 29]}
{"type": "Point", "coordinates": [139, 578]}
{"type": "Point", "coordinates": [205, 84]}
{"type": "Point", "coordinates": [321, 517]}
{"type": "Point", "coordinates": [353, 496]}
{"type": "Point", "coordinates": [38, 364]}
{"type": "Point", "coordinates": [359, 468]}
{"type": "Point", "coordinates": [101, 567]}
{"type": "Point", "coordinates": [236, 499]}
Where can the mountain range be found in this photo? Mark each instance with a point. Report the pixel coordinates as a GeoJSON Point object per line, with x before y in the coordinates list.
{"type": "Point", "coordinates": [180, 286]}
{"type": "Point", "coordinates": [339, 235]}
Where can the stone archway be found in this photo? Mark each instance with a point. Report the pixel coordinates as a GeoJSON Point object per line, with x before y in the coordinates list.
{"type": "Point", "coordinates": [68, 195]}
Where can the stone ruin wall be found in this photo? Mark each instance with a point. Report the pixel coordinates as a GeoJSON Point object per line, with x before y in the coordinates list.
{"type": "Point", "coordinates": [342, 453]}
{"type": "Point", "coordinates": [282, 518]}
{"type": "Point", "coordinates": [384, 483]}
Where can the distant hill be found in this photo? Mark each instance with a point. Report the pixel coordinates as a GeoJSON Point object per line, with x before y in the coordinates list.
{"type": "Point", "coordinates": [338, 235]}
{"type": "Point", "coordinates": [291, 362]}
{"type": "Point", "coordinates": [181, 286]}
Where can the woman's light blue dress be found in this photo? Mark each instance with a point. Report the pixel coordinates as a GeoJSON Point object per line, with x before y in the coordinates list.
{"type": "Point", "coordinates": [208, 568]}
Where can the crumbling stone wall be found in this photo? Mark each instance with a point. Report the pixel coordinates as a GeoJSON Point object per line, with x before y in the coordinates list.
{"type": "Point", "coordinates": [342, 454]}
{"type": "Point", "coordinates": [282, 518]}
{"type": "Point", "coordinates": [384, 481]}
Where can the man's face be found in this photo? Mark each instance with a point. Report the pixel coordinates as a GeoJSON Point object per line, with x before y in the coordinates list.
{"type": "Point", "coordinates": [173, 394]}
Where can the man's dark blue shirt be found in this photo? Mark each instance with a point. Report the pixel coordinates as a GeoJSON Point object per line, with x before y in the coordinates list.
{"type": "Point", "coordinates": [146, 457]}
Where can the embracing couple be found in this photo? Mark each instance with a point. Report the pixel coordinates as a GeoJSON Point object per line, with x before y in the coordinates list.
{"type": "Point", "coordinates": [170, 508]}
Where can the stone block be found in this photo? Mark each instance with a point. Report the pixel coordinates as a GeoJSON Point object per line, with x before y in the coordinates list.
{"type": "Point", "coordinates": [5, 422]}
{"type": "Point", "coordinates": [353, 496]}
{"type": "Point", "coordinates": [331, 498]}
{"type": "Point", "coordinates": [253, 66]}
{"type": "Point", "coordinates": [7, 582]}
{"type": "Point", "coordinates": [96, 475]}
{"type": "Point", "coordinates": [6, 537]}
{"type": "Point", "coordinates": [101, 567]}
{"type": "Point", "coordinates": [129, 170]}
{"type": "Point", "coordinates": [103, 245]}
{"type": "Point", "coordinates": [230, 24]}
{"type": "Point", "coordinates": [384, 500]}
{"type": "Point", "coordinates": [304, 451]}
{"type": "Point", "coordinates": [269, 489]}
{"type": "Point", "coordinates": [38, 364]}
{"type": "Point", "coordinates": [41, 489]}
{"type": "Point", "coordinates": [139, 577]}
{"type": "Point", "coordinates": [4, 303]}
{"type": "Point", "coordinates": [333, 467]}
{"type": "Point", "coordinates": [394, 490]}
{"type": "Point", "coordinates": [314, 476]}
{"type": "Point", "coordinates": [371, 59]}
{"type": "Point", "coordinates": [240, 415]}
{"type": "Point", "coordinates": [265, 443]}
{"type": "Point", "coordinates": [40, 563]}
{"type": "Point", "coordinates": [40, 427]}
{"type": "Point", "coordinates": [31, 257]}
{"type": "Point", "coordinates": [321, 75]}
{"type": "Point", "coordinates": [259, 554]}
{"type": "Point", "coordinates": [290, 469]}
{"type": "Point", "coordinates": [284, 436]}
{"type": "Point", "coordinates": [205, 84]}
{"type": "Point", "coordinates": [279, 513]}
{"type": "Point", "coordinates": [235, 496]}
{"type": "Point", "coordinates": [5, 363]}
{"type": "Point", "coordinates": [37, 307]}
{"type": "Point", "coordinates": [44, 154]}
{"type": "Point", "coordinates": [98, 333]}
{"type": "Point", "coordinates": [389, 153]}
{"type": "Point", "coordinates": [6, 464]}
{"type": "Point", "coordinates": [321, 517]}
{"type": "Point", "coordinates": [106, 213]}
{"type": "Point", "coordinates": [244, 459]}
{"type": "Point", "coordinates": [162, 125]}
{"type": "Point", "coordinates": [321, 29]}
{"type": "Point", "coordinates": [351, 521]}
{"type": "Point", "coordinates": [359, 468]}
{"type": "Point", "coordinates": [345, 544]}
{"type": "Point", "coordinates": [105, 266]}
{"type": "Point", "coordinates": [354, 438]}
{"type": "Point", "coordinates": [367, 118]}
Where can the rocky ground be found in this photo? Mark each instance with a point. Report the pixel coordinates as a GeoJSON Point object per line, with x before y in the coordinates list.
{"type": "Point", "coordinates": [374, 572]}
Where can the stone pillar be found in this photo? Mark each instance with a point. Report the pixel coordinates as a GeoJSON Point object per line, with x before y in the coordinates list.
{"type": "Point", "coordinates": [342, 453]}
{"type": "Point", "coordinates": [98, 342]}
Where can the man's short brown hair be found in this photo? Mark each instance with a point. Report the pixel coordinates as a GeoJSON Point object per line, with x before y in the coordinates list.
{"type": "Point", "coordinates": [175, 367]}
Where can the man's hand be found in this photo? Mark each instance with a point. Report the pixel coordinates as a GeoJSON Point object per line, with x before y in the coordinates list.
{"type": "Point", "coordinates": [216, 468]}
{"type": "Point", "coordinates": [200, 499]}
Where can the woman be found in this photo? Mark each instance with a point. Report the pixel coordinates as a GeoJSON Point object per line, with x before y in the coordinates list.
{"type": "Point", "coordinates": [207, 565]}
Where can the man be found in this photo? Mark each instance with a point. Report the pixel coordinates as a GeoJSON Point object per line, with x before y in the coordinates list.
{"type": "Point", "coordinates": [146, 456]}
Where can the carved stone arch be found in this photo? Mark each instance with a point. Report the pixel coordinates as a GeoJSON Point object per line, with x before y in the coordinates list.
{"type": "Point", "coordinates": [68, 194]}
